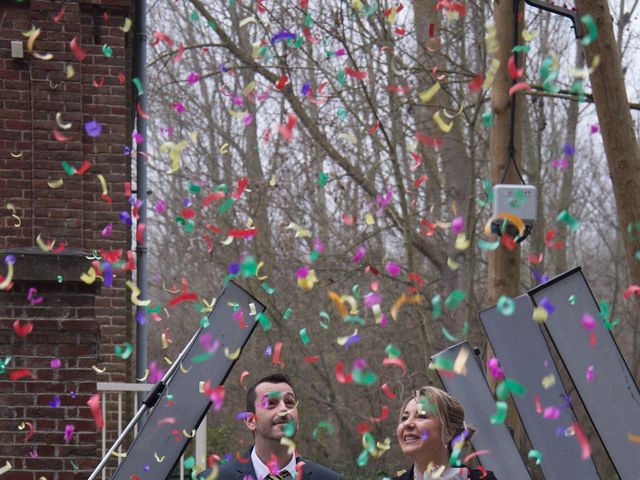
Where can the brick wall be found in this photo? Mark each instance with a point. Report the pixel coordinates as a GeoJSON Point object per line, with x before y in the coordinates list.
{"type": "Point", "coordinates": [79, 324]}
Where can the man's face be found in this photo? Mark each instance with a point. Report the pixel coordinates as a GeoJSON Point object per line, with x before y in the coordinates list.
{"type": "Point", "coordinates": [275, 409]}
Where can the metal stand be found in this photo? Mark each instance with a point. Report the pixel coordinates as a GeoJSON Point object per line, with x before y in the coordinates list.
{"type": "Point", "coordinates": [147, 404]}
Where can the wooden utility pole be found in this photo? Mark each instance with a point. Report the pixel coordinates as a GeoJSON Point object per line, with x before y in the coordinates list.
{"type": "Point", "coordinates": [616, 126]}
{"type": "Point", "coordinates": [504, 264]}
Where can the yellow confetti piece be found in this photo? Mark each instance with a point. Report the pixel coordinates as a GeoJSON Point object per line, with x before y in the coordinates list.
{"type": "Point", "coordinates": [16, 155]}
{"type": "Point", "coordinates": [175, 153]}
{"type": "Point", "coordinates": [342, 340]}
{"type": "Point", "coordinates": [135, 293]}
{"type": "Point", "coordinates": [445, 127]}
{"type": "Point", "coordinates": [11, 207]}
{"type": "Point", "coordinates": [231, 355]}
{"type": "Point", "coordinates": [404, 298]}
{"type": "Point", "coordinates": [491, 37]}
{"type": "Point", "coordinates": [377, 313]}
{"type": "Point", "coordinates": [6, 468]}
{"type": "Point", "coordinates": [250, 87]}
{"type": "Point", "coordinates": [98, 369]}
{"type": "Point", "coordinates": [272, 180]}
{"type": "Point", "coordinates": [127, 25]}
{"type": "Point", "coordinates": [369, 220]}
{"type": "Point", "coordinates": [33, 36]}
{"type": "Point", "coordinates": [165, 342]}
{"type": "Point", "coordinates": [43, 56]}
{"type": "Point", "coordinates": [146, 375]}
{"type": "Point", "coordinates": [89, 277]}
{"type": "Point", "coordinates": [633, 438]}
{"type": "Point", "coordinates": [158, 458]}
{"type": "Point", "coordinates": [528, 36]}
{"type": "Point", "coordinates": [103, 184]}
{"type": "Point", "coordinates": [63, 125]}
{"type": "Point", "coordinates": [429, 93]}
{"type": "Point", "coordinates": [585, 72]}
{"type": "Point", "coordinates": [119, 455]}
{"type": "Point", "coordinates": [540, 314]}
{"type": "Point", "coordinates": [460, 364]}
{"type": "Point", "coordinates": [184, 370]}
{"type": "Point", "coordinates": [227, 241]}
{"type": "Point", "coordinates": [260, 265]}
{"type": "Point", "coordinates": [348, 137]}
{"type": "Point", "coordinates": [462, 243]}
{"type": "Point", "coordinates": [287, 442]}
{"type": "Point", "coordinates": [549, 381]}
{"type": "Point", "coordinates": [55, 183]}
{"type": "Point", "coordinates": [43, 245]}
{"type": "Point", "coordinates": [335, 298]}
{"type": "Point", "coordinates": [452, 264]}
{"type": "Point", "coordinates": [301, 232]}
{"type": "Point", "coordinates": [224, 148]}
{"type": "Point", "coordinates": [189, 435]}
{"type": "Point", "coordinates": [491, 73]}
{"type": "Point", "coordinates": [247, 20]}
{"type": "Point", "coordinates": [70, 71]}
{"type": "Point", "coordinates": [168, 360]}
{"type": "Point", "coordinates": [235, 114]}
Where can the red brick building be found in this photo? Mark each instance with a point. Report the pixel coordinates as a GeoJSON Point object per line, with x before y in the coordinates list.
{"type": "Point", "coordinates": [65, 119]}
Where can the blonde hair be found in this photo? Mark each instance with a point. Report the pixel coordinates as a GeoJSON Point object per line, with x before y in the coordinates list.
{"type": "Point", "coordinates": [447, 409]}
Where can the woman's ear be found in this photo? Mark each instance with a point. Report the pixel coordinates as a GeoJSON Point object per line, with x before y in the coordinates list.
{"type": "Point", "coordinates": [250, 421]}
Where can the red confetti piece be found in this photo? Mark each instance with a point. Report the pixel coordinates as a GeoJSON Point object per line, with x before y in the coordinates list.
{"type": "Point", "coordinates": [185, 297]}
{"type": "Point", "coordinates": [251, 232]}
{"type": "Point", "coordinates": [244, 375]}
{"type": "Point", "coordinates": [414, 277]}
{"type": "Point", "coordinates": [122, 78]}
{"type": "Point", "coordinates": [18, 374]}
{"type": "Point", "coordinates": [99, 82]}
{"type": "Point", "coordinates": [508, 242]}
{"type": "Point", "coordinates": [538, 405]}
{"type": "Point", "coordinates": [433, 142]}
{"type": "Point", "coordinates": [592, 339]}
{"type": "Point", "coordinates": [178, 56]}
{"type": "Point", "coordinates": [420, 181]}
{"type": "Point", "coordinates": [212, 198]}
{"type": "Point", "coordinates": [360, 75]}
{"type": "Point", "coordinates": [188, 213]}
{"type": "Point", "coordinates": [476, 83]}
{"type": "Point", "coordinates": [631, 290]}
{"type": "Point", "coordinates": [59, 15]}
{"type": "Point", "coordinates": [548, 237]}
{"type": "Point", "coordinates": [287, 130]}
{"type": "Point", "coordinates": [384, 414]}
{"type": "Point", "coordinates": [582, 439]}
{"type": "Point", "coordinates": [535, 259]}
{"type": "Point", "coordinates": [207, 239]}
{"type": "Point", "coordinates": [309, 37]}
{"type": "Point", "coordinates": [22, 329]}
{"type": "Point", "coordinates": [519, 87]}
{"type": "Point", "coordinates": [166, 421]}
{"type": "Point", "coordinates": [85, 166]}
{"type": "Point", "coordinates": [282, 82]}
{"type": "Point", "coordinates": [277, 350]}
{"type": "Point", "coordinates": [363, 427]}
{"type": "Point", "coordinates": [59, 136]}
{"type": "Point", "coordinates": [398, 362]}
{"type": "Point", "coordinates": [161, 37]}
{"type": "Point", "coordinates": [374, 128]}
{"type": "Point", "coordinates": [213, 228]}
{"type": "Point", "coordinates": [514, 72]}
{"type": "Point", "coordinates": [31, 431]}
{"type": "Point", "coordinates": [399, 89]}
{"type": "Point", "coordinates": [77, 51]}
{"type": "Point", "coordinates": [243, 182]}
{"type": "Point", "coordinates": [311, 358]}
{"type": "Point", "coordinates": [140, 232]}
{"type": "Point", "coordinates": [141, 112]}
{"type": "Point", "coordinates": [340, 376]}
{"type": "Point", "coordinates": [94, 405]}
{"type": "Point", "coordinates": [430, 228]}
{"type": "Point", "coordinates": [400, 31]}
{"type": "Point", "coordinates": [387, 391]}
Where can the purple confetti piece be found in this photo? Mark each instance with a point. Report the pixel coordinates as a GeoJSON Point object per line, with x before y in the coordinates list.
{"type": "Point", "coordinates": [588, 322]}
{"type": "Point", "coordinates": [125, 218]}
{"type": "Point", "coordinates": [306, 88]}
{"type": "Point", "coordinates": [68, 432]}
{"type": "Point", "coordinates": [590, 373]}
{"type": "Point", "coordinates": [559, 431]}
{"type": "Point", "coordinates": [193, 78]}
{"type": "Point", "coordinates": [340, 52]}
{"type": "Point", "coordinates": [457, 226]}
{"type": "Point", "coordinates": [561, 163]}
{"type": "Point", "coordinates": [146, 467]}
{"type": "Point", "coordinates": [392, 269]}
{"type": "Point", "coordinates": [186, 202]}
{"type": "Point", "coordinates": [140, 318]}
{"type": "Point", "coordinates": [55, 363]}
{"type": "Point", "coordinates": [234, 268]}
{"type": "Point", "coordinates": [352, 340]}
{"type": "Point", "coordinates": [179, 107]}
{"type": "Point", "coordinates": [10, 260]}
{"type": "Point", "coordinates": [268, 351]}
{"type": "Point", "coordinates": [595, 128]}
{"type": "Point", "coordinates": [247, 119]}
{"type": "Point", "coordinates": [107, 274]}
{"type": "Point", "coordinates": [160, 207]}
{"type": "Point", "coordinates": [243, 415]}
{"type": "Point", "coordinates": [106, 231]}
{"type": "Point", "coordinates": [33, 453]}
{"type": "Point", "coordinates": [223, 68]}
{"type": "Point", "coordinates": [93, 128]}
{"type": "Point", "coordinates": [371, 299]}
{"type": "Point", "coordinates": [569, 150]}
{"type": "Point", "coordinates": [359, 364]}
{"type": "Point", "coordinates": [126, 150]}
{"type": "Point", "coordinates": [283, 35]}
{"type": "Point", "coordinates": [359, 255]}
{"type": "Point", "coordinates": [302, 272]}
{"type": "Point", "coordinates": [137, 137]}
{"type": "Point", "coordinates": [551, 413]}
{"type": "Point", "coordinates": [54, 402]}
{"type": "Point", "coordinates": [318, 245]}
{"type": "Point", "coordinates": [547, 305]}
{"type": "Point", "coordinates": [384, 321]}
{"type": "Point", "coordinates": [72, 394]}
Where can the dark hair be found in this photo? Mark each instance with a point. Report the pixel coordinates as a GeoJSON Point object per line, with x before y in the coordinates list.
{"type": "Point", "coordinates": [273, 378]}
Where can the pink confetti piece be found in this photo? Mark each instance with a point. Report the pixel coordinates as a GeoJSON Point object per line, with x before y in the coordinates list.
{"type": "Point", "coordinates": [392, 269]}
{"type": "Point", "coordinates": [590, 373]}
{"type": "Point", "coordinates": [55, 363]}
{"type": "Point", "coordinates": [359, 255]}
{"type": "Point", "coordinates": [551, 413]}
{"type": "Point", "coordinates": [68, 432]}
{"type": "Point", "coordinates": [94, 405]}
{"type": "Point", "coordinates": [457, 226]}
{"type": "Point", "coordinates": [588, 322]}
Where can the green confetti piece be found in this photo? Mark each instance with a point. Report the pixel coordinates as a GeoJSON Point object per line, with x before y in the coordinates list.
{"type": "Point", "coordinates": [59, 278]}
{"type": "Point", "coordinates": [509, 386]}
{"type": "Point", "coordinates": [442, 364]}
{"type": "Point", "coordinates": [289, 429]}
{"type": "Point", "coordinates": [372, 10]}
{"type": "Point", "coordinates": [204, 322]}
{"type": "Point", "coordinates": [578, 89]}
{"type": "Point", "coordinates": [248, 267]}
{"type": "Point", "coordinates": [487, 119]}
{"type": "Point", "coordinates": [486, 184]}
{"type": "Point", "coordinates": [263, 51]}
{"type": "Point", "coordinates": [593, 30]}
{"type": "Point", "coordinates": [545, 67]}
{"type": "Point", "coordinates": [226, 205]}
{"type": "Point", "coordinates": [308, 21]}
{"type": "Point", "coordinates": [189, 463]}
{"type": "Point", "coordinates": [506, 306]}
{"type": "Point", "coordinates": [194, 17]}
{"type": "Point", "coordinates": [201, 358]}
{"type": "Point", "coordinates": [124, 351]}
{"type": "Point", "coordinates": [304, 336]}
{"type": "Point", "coordinates": [436, 307]}
{"type": "Point", "coordinates": [448, 335]}
{"type": "Point", "coordinates": [341, 78]}
{"type": "Point", "coordinates": [74, 465]}
{"type": "Point", "coordinates": [521, 49]}
{"type": "Point", "coordinates": [535, 454]}
{"type": "Point", "coordinates": [323, 178]}
{"type": "Point", "coordinates": [323, 425]}
{"type": "Point", "coordinates": [193, 188]}
{"type": "Point", "coordinates": [637, 255]}
{"type": "Point", "coordinates": [484, 245]}
{"type": "Point", "coordinates": [342, 113]}
{"type": "Point", "coordinates": [454, 299]}
{"type": "Point", "coordinates": [354, 319]}
{"type": "Point", "coordinates": [565, 217]}
{"type": "Point", "coordinates": [136, 81]}
{"type": "Point", "coordinates": [287, 314]}
{"type": "Point", "coordinates": [501, 413]}
{"type": "Point", "coordinates": [365, 378]}
{"type": "Point", "coordinates": [327, 317]}
{"type": "Point", "coordinates": [298, 43]}
{"type": "Point", "coordinates": [68, 168]}
{"type": "Point", "coordinates": [107, 51]}
{"type": "Point", "coordinates": [363, 458]}
{"type": "Point", "coordinates": [212, 25]}
{"type": "Point", "coordinates": [268, 289]}
{"type": "Point", "coordinates": [609, 325]}
{"type": "Point", "coordinates": [392, 351]}
{"type": "Point", "coordinates": [572, 300]}
{"type": "Point", "coordinates": [313, 256]}
{"type": "Point", "coordinates": [264, 321]}
{"type": "Point", "coordinates": [548, 85]}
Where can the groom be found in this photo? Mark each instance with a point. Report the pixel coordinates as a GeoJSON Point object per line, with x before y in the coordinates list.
{"type": "Point", "coordinates": [273, 409]}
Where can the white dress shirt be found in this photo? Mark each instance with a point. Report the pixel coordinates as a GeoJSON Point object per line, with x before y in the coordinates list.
{"type": "Point", "coordinates": [262, 470]}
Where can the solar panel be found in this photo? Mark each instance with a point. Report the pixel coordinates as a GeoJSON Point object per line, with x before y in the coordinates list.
{"type": "Point", "coordinates": [474, 393]}
{"type": "Point", "coordinates": [182, 406]}
{"type": "Point", "coordinates": [518, 342]}
{"type": "Point", "coordinates": [596, 367]}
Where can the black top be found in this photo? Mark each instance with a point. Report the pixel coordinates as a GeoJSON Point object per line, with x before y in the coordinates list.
{"type": "Point", "coordinates": [474, 474]}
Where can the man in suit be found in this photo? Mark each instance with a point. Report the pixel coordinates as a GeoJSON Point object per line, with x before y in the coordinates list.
{"type": "Point", "coordinates": [272, 410]}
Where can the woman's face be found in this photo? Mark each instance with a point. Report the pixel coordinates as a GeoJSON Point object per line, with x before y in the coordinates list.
{"type": "Point", "coordinates": [420, 434]}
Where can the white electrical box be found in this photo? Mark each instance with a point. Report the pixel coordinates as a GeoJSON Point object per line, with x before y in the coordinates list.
{"type": "Point", "coordinates": [17, 51]}
{"type": "Point", "coordinates": [518, 200]}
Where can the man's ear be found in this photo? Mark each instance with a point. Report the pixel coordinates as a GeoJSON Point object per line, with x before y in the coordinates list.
{"type": "Point", "coordinates": [250, 421]}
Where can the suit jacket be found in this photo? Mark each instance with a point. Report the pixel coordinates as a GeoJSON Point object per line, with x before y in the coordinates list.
{"type": "Point", "coordinates": [474, 474]}
{"type": "Point", "coordinates": [236, 470]}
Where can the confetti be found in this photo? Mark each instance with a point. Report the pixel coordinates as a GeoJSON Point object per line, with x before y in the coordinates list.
{"type": "Point", "coordinates": [535, 454]}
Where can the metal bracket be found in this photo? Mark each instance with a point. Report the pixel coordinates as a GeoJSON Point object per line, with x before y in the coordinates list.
{"type": "Point", "coordinates": [577, 23]}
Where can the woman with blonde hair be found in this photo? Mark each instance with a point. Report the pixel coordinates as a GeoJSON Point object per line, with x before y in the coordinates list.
{"type": "Point", "coordinates": [432, 431]}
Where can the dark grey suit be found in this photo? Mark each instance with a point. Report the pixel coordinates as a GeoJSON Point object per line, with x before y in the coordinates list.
{"type": "Point", "coordinates": [236, 470]}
